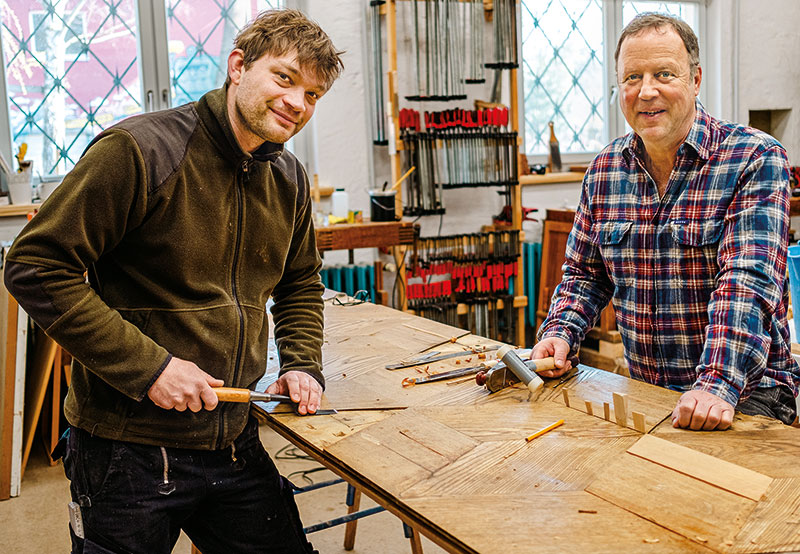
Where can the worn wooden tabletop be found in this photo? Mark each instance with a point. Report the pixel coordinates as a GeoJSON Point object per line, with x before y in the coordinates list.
{"type": "Point", "coordinates": [452, 460]}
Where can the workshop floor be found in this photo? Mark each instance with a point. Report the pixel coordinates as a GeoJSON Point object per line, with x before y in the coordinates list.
{"type": "Point", "coordinates": [36, 521]}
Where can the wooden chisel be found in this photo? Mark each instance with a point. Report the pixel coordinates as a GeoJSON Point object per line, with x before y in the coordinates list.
{"type": "Point", "coordinates": [230, 394]}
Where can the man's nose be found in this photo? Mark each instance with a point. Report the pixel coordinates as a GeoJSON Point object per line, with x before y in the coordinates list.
{"type": "Point", "coordinates": [295, 99]}
{"type": "Point", "coordinates": [649, 88]}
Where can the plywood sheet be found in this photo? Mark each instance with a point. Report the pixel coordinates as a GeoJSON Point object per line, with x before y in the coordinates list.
{"type": "Point", "coordinates": [570, 521]}
{"type": "Point", "coordinates": [401, 450]}
{"type": "Point", "coordinates": [725, 475]}
{"type": "Point", "coordinates": [700, 512]}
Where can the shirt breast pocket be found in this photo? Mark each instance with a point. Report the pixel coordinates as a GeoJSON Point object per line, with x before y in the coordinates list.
{"type": "Point", "coordinates": [697, 233]}
{"type": "Point", "coordinates": [619, 256]}
{"type": "Point", "coordinates": [698, 244]}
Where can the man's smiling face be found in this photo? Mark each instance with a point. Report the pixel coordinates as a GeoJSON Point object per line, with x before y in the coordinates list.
{"type": "Point", "coordinates": [272, 99]}
{"type": "Point", "coordinates": [657, 88]}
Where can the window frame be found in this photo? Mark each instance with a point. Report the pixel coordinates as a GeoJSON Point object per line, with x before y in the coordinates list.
{"type": "Point", "coordinates": [153, 64]}
{"type": "Point", "coordinates": [615, 124]}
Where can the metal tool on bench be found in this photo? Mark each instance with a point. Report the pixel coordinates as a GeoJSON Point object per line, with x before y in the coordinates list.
{"type": "Point", "coordinates": [230, 394]}
{"type": "Point", "coordinates": [431, 357]}
{"type": "Point", "coordinates": [500, 376]}
{"type": "Point", "coordinates": [461, 372]}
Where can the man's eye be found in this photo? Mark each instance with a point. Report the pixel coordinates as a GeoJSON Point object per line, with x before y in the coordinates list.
{"type": "Point", "coordinates": [283, 77]}
{"type": "Point", "coordinates": [313, 95]}
{"type": "Point", "coordinates": [631, 78]}
{"type": "Point", "coordinates": [664, 74]}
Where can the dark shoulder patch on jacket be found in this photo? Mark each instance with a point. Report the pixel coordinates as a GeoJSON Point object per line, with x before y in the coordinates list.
{"type": "Point", "coordinates": [163, 138]}
{"type": "Point", "coordinates": [294, 172]}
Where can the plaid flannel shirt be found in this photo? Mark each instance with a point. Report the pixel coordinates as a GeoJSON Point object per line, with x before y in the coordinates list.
{"type": "Point", "coordinates": [698, 277]}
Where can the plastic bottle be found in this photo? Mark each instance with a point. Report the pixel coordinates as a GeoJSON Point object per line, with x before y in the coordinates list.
{"type": "Point", "coordinates": [339, 203]}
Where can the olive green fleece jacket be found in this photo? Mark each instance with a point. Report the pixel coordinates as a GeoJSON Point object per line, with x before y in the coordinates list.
{"type": "Point", "coordinates": [185, 236]}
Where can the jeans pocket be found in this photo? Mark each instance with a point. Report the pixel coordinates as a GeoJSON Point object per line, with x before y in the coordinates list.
{"type": "Point", "coordinates": [93, 462]}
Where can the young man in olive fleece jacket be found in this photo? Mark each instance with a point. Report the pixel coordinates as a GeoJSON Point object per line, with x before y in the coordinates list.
{"type": "Point", "coordinates": [187, 220]}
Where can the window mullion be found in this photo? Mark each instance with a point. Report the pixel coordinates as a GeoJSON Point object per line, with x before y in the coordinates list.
{"type": "Point", "coordinates": [5, 121]}
{"type": "Point", "coordinates": [161, 55]}
{"type": "Point", "coordinates": [148, 67]}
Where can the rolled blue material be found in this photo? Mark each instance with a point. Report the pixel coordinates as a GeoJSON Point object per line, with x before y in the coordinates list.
{"type": "Point", "coordinates": [336, 279]}
{"type": "Point", "coordinates": [371, 281]}
{"type": "Point", "coordinates": [793, 262]}
{"type": "Point", "coordinates": [361, 278]}
{"type": "Point", "coordinates": [349, 279]}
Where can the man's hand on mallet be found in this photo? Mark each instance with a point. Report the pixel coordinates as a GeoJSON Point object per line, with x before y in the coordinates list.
{"type": "Point", "coordinates": [559, 350]}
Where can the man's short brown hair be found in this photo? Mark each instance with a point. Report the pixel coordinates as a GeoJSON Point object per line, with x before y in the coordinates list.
{"type": "Point", "coordinates": [280, 32]}
{"type": "Point", "coordinates": [653, 20]}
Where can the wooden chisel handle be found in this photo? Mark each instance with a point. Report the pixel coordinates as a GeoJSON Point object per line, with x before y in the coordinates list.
{"type": "Point", "coordinates": [542, 364]}
{"type": "Point", "coordinates": [230, 394]}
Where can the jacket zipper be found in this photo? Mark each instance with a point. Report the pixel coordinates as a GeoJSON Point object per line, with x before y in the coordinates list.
{"type": "Point", "coordinates": [240, 182]}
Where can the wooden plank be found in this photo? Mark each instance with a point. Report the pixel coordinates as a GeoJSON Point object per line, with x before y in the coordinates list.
{"type": "Point", "coordinates": [598, 386]}
{"type": "Point", "coordinates": [639, 422]}
{"type": "Point", "coordinates": [756, 443]}
{"type": "Point", "coordinates": [773, 525]}
{"type": "Point", "coordinates": [419, 439]}
{"type": "Point", "coordinates": [8, 336]}
{"type": "Point", "coordinates": [555, 522]}
{"type": "Point", "coordinates": [722, 474]}
{"type": "Point", "coordinates": [36, 383]}
{"type": "Point", "coordinates": [620, 409]}
{"type": "Point", "coordinates": [703, 513]}
{"type": "Point", "coordinates": [551, 178]}
{"type": "Point", "coordinates": [21, 366]}
{"type": "Point", "coordinates": [503, 463]}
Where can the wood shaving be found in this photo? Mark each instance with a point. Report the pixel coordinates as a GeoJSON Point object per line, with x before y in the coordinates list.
{"type": "Point", "coordinates": [587, 511]}
{"type": "Point", "coordinates": [651, 541]}
{"type": "Point", "coordinates": [468, 360]}
{"type": "Point", "coordinates": [344, 374]}
{"type": "Point", "coordinates": [481, 356]}
{"type": "Point", "coordinates": [698, 538]}
{"type": "Point", "coordinates": [458, 362]}
{"type": "Point", "coordinates": [409, 382]}
{"type": "Point", "coordinates": [453, 339]}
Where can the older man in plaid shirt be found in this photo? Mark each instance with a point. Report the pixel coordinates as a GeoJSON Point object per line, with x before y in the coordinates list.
{"type": "Point", "coordinates": [684, 225]}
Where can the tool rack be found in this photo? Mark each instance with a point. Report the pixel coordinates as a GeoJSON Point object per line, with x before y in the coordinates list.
{"type": "Point", "coordinates": [396, 146]}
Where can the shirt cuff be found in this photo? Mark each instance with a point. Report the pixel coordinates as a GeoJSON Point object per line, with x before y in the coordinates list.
{"type": "Point", "coordinates": [713, 383]}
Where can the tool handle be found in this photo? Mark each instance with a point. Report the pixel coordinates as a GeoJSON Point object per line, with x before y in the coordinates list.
{"type": "Point", "coordinates": [230, 394]}
{"type": "Point", "coordinates": [542, 364]}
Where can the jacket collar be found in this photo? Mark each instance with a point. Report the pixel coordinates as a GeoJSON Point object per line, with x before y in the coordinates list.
{"type": "Point", "coordinates": [213, 111]}
{"type": "Point", "coordinates": [699, 138]}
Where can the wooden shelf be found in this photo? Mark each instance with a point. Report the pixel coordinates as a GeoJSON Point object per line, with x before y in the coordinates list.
{"type": "Point", "coordinates": [551, 178]}
{"type": "Point", "coordinates": [377, 234]}
{"type": "Point", "coordinates": [9, 210]}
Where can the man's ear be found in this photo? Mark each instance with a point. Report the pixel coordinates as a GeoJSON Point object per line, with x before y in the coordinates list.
{"type": "Point", "coordinates": [698, 77]}
{"type": "Point", "coordinates": [235, 65]}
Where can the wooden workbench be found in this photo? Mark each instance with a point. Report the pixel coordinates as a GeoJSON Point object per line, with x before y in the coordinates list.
{"type": "Point", "coordinates": [452, 460]}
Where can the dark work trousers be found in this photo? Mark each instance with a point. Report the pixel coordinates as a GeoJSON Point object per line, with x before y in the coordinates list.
{"type": "Point", "coordinates": [776, 402]}
{"type": "Point", "coordinates": [136, 498]}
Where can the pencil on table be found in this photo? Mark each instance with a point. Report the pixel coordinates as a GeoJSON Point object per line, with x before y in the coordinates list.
{"type": "Point", "coordinates": [541, 432]}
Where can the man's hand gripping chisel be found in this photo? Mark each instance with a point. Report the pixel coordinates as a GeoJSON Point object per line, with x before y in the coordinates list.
{"type": "Point", "coordinates": [230, 394]}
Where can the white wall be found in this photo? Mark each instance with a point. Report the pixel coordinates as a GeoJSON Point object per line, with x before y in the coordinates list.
{"type": "Point", "coordinates": [752, 64]}
{"type": "Point", "coordinates": [769, 66]}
